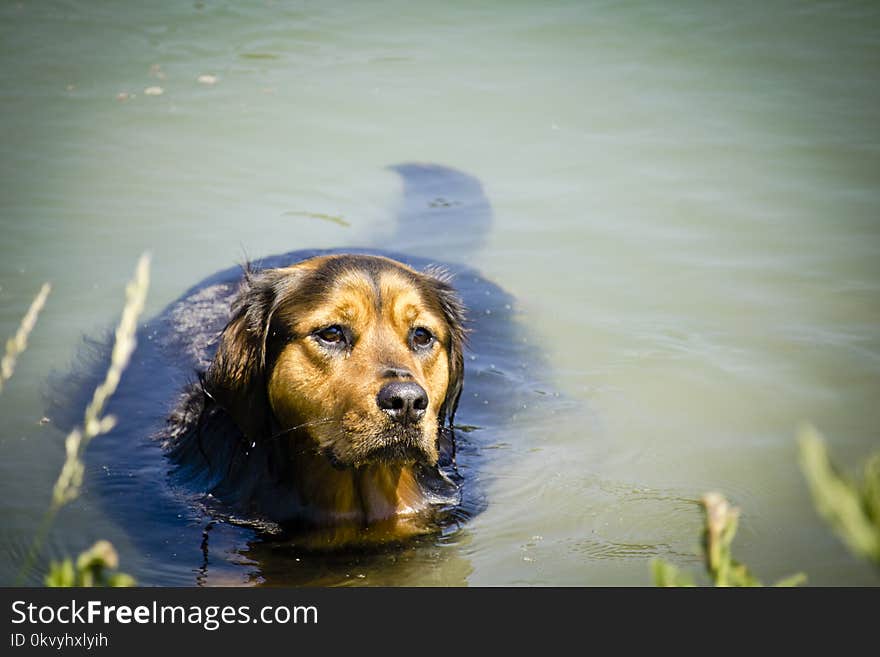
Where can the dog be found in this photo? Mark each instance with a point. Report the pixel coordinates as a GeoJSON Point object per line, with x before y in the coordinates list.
{"type": "Point", "coordinates": [332, 387]}
{"type": "Point", "coordinates": [251, 417]}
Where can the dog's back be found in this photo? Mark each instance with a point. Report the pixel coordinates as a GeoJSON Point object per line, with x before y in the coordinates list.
{"type": "Point", "coordinates": [440, 206]}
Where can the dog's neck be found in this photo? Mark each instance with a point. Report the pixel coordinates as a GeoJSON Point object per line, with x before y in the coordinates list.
{"type": "Point", "coordinates": [363, 495]}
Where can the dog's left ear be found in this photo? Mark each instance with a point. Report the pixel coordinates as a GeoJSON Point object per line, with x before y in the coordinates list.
{"type": "Point", "coordinates": [453, 310]}
{"type": "Point", "coordinates": [236, 378]}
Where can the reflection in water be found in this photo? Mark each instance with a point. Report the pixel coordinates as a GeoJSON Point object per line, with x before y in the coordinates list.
{"type": "Point", "coordinates": [419, 562]}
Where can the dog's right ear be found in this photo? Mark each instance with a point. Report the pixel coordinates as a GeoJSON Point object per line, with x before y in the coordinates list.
{"type": "Point", "coordinates": [453, 310]}
{"type": "Point", "coordinates": [236, 378]}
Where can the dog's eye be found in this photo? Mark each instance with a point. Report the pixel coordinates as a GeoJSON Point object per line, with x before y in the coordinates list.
{"type": "Point", "coordinates": [421, 338]}
{"type": "Point", "coordinates": [333, 335]}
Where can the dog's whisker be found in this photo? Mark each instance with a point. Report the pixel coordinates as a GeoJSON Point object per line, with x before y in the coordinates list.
{"type": "Point", "coordinates": [310, 423]}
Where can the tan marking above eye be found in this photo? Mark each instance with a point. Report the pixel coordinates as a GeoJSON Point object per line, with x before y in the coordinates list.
{"type": "Point", "coordinates": [406, 309]}
{"type": "Point", "coordinates": [351, 308]}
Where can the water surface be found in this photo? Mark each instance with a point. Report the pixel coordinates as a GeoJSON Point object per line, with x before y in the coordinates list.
{"type": "Point", "coordinates": [686, 211]}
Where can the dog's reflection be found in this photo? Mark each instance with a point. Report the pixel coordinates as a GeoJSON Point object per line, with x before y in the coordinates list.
{"type": "Point", "coordinates": [420, 561]}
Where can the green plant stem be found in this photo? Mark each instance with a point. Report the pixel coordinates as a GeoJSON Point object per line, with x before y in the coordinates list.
{"type": "Point", "coordinates": [67, 487]}
{"type": "Point", "coordinates": [16, 345]}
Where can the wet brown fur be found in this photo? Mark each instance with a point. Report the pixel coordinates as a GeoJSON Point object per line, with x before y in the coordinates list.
{"type": "Point", "coordinates": [349, 463]}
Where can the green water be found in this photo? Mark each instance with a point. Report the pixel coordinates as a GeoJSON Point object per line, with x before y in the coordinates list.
{"type": "Point", "coordinates": [687, 209]}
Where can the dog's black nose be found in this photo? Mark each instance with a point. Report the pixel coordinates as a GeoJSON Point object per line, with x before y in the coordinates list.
{"type": "Point", "coordinates": [404, 401]}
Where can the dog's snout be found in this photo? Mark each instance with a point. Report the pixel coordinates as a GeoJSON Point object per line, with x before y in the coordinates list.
{"type": "Point", "coordinates": [396, 373]}
{"type": "Point", "coordinates": [403, 401]}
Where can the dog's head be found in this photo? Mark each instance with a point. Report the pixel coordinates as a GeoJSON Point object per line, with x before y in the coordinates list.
{"type": "Point", "coordinates": [356, 357]}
